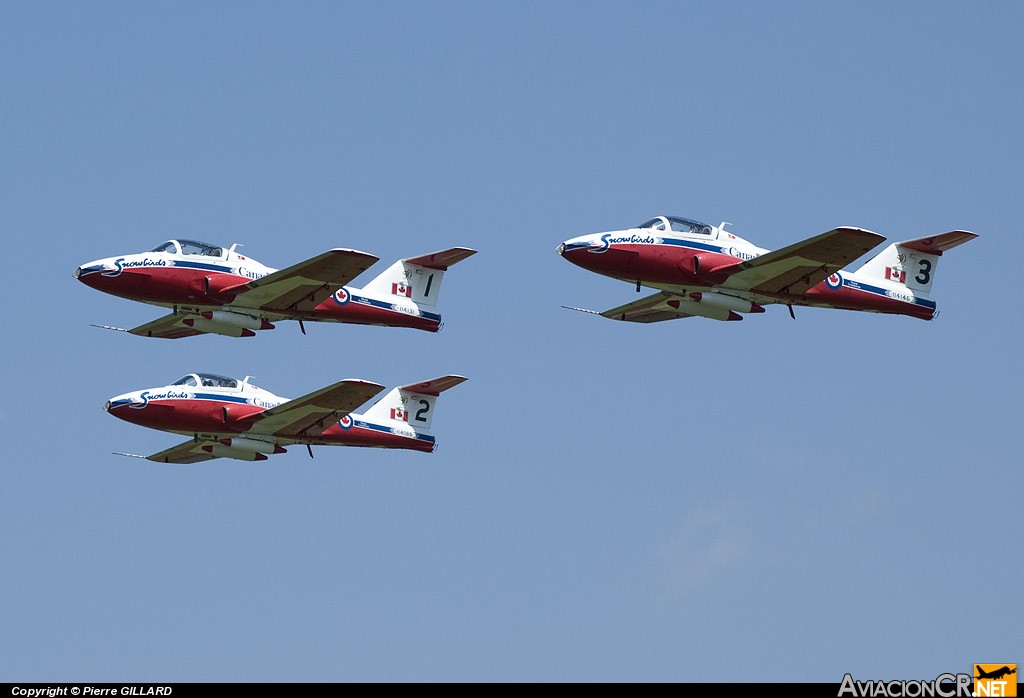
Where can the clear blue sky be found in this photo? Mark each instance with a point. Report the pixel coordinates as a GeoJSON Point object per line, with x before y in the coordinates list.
{"type": "Point", "coordinates": [764, 500]}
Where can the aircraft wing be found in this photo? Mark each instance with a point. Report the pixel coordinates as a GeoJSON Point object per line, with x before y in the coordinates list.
{"type": "Point", "coordinates": [167, 327]}
{"type": "Point", "coordinates": [649, 309]}
{"type": "Point", "coordinates": [803, 265]}
{"type": "Point", "coordinates": [305, 285]}
{"type": "Point", "coordinates": [184, 453]}
{"type": "Point", "coordinates": [316, 410]}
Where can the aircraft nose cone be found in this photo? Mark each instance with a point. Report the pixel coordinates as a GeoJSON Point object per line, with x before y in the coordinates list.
{"type": "Point", "coordinates": [77, 273]}
{"type": "Point", "coordinates": [106, 406]}
{"type": "Point", "coordinates": [560, 249]}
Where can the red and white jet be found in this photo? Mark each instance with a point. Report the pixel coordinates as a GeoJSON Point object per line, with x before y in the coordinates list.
{"type": "Point", "coordinates": [706, 271]}
{"type": "Point", "coordinates": [229, 418]}
{"type": "Point", "coordinates": [216, 290]}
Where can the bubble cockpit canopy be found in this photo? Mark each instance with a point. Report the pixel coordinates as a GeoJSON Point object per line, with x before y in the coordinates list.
{"type": "Point", "coordinates": [190, 247]}
{"type": "Point", "coordinates": [677, 225]}
{"type": "Point", "coordinates": [206, 380]}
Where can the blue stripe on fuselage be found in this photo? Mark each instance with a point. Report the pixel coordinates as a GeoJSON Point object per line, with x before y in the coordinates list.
{"type": "Point", "coordinates": [877, 290]}
{"type": "Point", "coordinates": [223, 398]}
{"type": "Point", "coordinates": [384, 305]}
{"type": "Point", "coordinates": [387, 430]}
{"type": "Point", "coordinates": [204, 266]}
{"type": "Point", "coordinates": [692, 244]}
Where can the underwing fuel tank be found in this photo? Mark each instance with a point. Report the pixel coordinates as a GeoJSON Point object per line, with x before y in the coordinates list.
{"type": "Point", "coordinates": [253, 445]}
{"type": "Point", "coordinates": [227, 323]}
{"type": "Point", "coordinates": [242, 448]}
{"type": "Point", "coordinates": [690, 307]}
{"type": "Point", "coordinates": [712, 299]}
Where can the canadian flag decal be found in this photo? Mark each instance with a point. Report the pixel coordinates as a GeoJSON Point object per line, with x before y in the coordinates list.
{"type": "Point", "coordinates": [402, 289]}
{"type": "Point", "coordinates": [399, 414]}
{"type": "Point", "coordinates": [895, 274]}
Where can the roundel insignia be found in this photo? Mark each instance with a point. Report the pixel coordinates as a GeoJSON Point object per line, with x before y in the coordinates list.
{"type": "Point", "coordinates": [345, 422]}
{"type": "Point", "coordinates": [834, 281]}
{"type": "Point", "coordinates": [341, 296]}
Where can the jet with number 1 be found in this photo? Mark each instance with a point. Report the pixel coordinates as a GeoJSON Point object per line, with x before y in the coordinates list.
{"type": "Point", "coordinates": [700, 270]}
{"type": "Point", "coordinates": [212, 289]}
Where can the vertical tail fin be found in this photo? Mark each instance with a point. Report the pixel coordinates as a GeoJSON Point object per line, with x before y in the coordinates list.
{"type": "Point", "coordinates": [912, 263]}
{"type": "Point", "coordinates": [412, 404]}
{"type": "Point", "coordinates": [417, 278]}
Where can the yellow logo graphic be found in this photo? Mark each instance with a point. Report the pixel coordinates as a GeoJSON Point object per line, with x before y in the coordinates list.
{"type": "Point", "coordinates": [995, 680]}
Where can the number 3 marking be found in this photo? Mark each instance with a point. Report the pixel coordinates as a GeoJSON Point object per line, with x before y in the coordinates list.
{"type": "Point", "coordinates": [926, 272]}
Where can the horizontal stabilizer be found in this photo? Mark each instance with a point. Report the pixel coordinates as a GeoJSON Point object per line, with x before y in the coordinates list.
{"type": "Point", "coordinates": [443, 259]}
{"type": "Point", "coordinates": [937, 244]}
{"type": "Point", "coordinates": [434, 387]}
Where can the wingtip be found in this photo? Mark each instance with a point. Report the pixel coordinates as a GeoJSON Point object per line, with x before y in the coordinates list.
{"type": "Point", "coordinates": [362, 381]}
{"type": "Point", "coordinates": [863, 231]}
{"type": "Point", "coordinates": [350, 251]}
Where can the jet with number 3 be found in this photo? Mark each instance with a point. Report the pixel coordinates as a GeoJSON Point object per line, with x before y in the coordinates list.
{"type": "Point", "coordinates": [700, 270]}
{"type": "Point", "coordinates": [230, 418]}
{"type": "Point", "coordinates": [212, 289]}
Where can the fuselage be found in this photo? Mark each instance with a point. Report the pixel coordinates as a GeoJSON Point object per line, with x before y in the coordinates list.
{"type": "Point", "coordinates": [214, 407]}
{"type": "Point", "coordinates": [196, 277]}
{"type": "Point", "coordinates": [685, 257]}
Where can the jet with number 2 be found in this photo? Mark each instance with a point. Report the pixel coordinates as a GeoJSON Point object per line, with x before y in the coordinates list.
{"type": "Point", "coordinates": [215, 290]}
{"type": "Point", "coordinates": [230, 418]}
{"type": "Point", "coordinates": [701, 270]}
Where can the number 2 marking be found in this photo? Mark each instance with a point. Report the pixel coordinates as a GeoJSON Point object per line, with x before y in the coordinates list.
{"type": "Point", "coordinates": [421, 413]}
{"type": "Point", "coordinates": [926, 272]}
